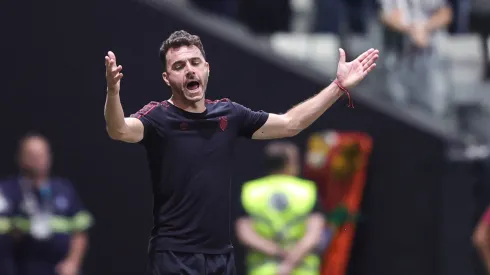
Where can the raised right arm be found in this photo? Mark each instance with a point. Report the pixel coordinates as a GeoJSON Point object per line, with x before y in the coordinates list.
{"type": "Point", "coordinates": [118, 127]}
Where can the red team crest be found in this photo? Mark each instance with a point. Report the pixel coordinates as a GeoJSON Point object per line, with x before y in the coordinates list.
{"type": "Point", "coordinates": [223, 123]}
{"type": "Point", "coordinates": [184, 126]}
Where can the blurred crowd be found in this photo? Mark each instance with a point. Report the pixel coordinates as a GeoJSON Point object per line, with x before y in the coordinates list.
{"type": "Point", "coordinates": [427, 63]}
{"type": "Point", "coordinates": [406, 18]}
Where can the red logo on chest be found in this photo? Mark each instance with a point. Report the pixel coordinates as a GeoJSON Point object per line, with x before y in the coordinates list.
{"type": "Point", "coordinates": [184, 126]}
{"type": "Point", "coordinates": [223, 123]}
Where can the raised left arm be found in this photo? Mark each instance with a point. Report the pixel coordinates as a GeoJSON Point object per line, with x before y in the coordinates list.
{"type": "Point", "coordinates": [304, 114]}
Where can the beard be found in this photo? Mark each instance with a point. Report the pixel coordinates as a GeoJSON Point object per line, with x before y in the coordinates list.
{"type": "Point", "coordinates": [189, 95]}
{"type": "Point", "coordinates": [193, 95]}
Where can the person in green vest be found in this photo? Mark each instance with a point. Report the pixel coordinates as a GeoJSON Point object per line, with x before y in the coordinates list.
{"type": "Point", "coordinates": [282, 222]}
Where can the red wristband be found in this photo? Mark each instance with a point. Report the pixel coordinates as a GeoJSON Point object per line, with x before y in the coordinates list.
{"type": "Point", "coordinates": [350, 104]}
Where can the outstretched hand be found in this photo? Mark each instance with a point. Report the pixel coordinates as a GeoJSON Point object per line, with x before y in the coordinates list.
{"type": "Point", "coordinates": [349, 74]}
{"type": "Point", "coordinates": [113, 73]}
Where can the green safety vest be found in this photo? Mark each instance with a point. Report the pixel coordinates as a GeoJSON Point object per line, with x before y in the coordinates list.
{"type": "Point", "coordinates": [279, 206]}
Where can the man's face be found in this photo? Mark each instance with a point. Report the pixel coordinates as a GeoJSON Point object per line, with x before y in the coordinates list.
{"type": "Point", "coordinates": [35, 157]}
{"type": "Point", "coordinates": [187, 72]}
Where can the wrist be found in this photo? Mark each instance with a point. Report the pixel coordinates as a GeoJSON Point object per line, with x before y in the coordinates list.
{"type": "Point", "coordinates": [289, 262]}
{"type": "Point", "coordinates": [112, 91]}
{"type": "Point", "coordinates": [343, 90]}
{"type": "Point", "coordinates": [278, 252]}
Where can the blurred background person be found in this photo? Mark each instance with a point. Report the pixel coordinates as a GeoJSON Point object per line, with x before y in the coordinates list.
{"type": "Point", "coordinates": [50, 217]}
{"type": "Point", "coordinates": [283, 224]}
{"type": "Point", "coordinates": [480, 23]}
{"type": "Point", "coordinates": [7, 211]}
{"type": "Point", "coordinates": [416, 73]}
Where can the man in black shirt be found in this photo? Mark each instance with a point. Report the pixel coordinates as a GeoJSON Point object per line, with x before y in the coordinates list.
{"type": "Point", "coordinates": [189, 142]}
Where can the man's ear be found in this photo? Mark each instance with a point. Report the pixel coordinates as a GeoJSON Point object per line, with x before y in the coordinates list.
{"type": "Point", "coordinates": [165, 78]}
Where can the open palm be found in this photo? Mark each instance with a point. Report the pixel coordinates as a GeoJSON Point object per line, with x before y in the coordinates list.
{"type": "Point", "coordinates": [349, 74]}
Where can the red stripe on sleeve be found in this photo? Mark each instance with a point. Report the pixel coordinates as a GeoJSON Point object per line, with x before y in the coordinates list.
{"type": "Point", "coordinates": [146, 109]}
{"type": "Point", "coordinates": [208, 101]}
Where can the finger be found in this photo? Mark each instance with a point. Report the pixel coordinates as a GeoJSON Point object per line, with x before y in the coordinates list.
{"type": "Point", "coordinates": [370, 62]}
{"type": "Point", "coordinates": [112, 64]}
{"type": "Point", "coordinates": [342, 55]}
{"type": "Point", "coordinates": [369, 57]}
{"type": "Point", "coordinates": [370, 69]}
{"type": "Point", "coordinates": [107, 60]}
{"type": "Point", "coordinates": [118, 77]}
{"type": "Point", "coordinates": [117, 69]}
{"type": "Point", "coordinates": [112, 56]}
{"type": "Point", "coordinates": [108, 64]}
{"type": "Point", "coordinates": [366, 60]}
{"type": "Point", "coordinates": [365, 54]}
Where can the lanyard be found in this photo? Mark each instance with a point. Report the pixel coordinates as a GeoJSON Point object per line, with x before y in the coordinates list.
{"type": "Point", "coordinates": [33, 205]}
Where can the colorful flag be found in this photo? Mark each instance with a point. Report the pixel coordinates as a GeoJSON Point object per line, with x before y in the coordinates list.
{"type": "Point", "coordinates": [337, 162]}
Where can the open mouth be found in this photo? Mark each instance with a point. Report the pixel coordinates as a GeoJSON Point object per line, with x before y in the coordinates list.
{"type": "Point", "coordinates": [192, 85]}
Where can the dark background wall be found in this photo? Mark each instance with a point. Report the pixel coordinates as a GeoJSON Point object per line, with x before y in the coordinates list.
{"type": "Point", "coordinates": [53, 81]}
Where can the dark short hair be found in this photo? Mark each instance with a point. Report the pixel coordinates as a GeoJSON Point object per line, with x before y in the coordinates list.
{"type": "Point", "coordinates": [178, 39]}
{"type": "Point", "coordinates": [277, 156]}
